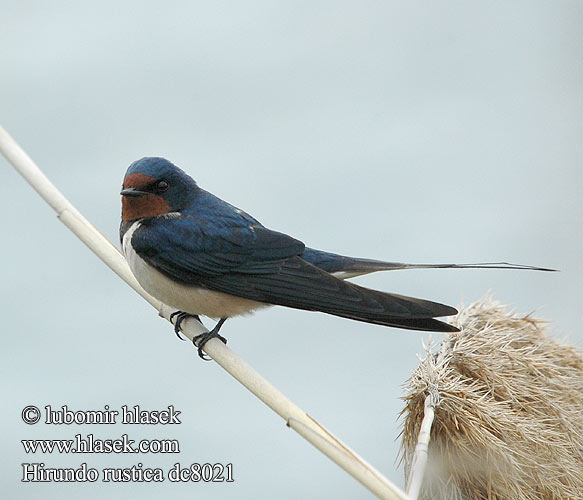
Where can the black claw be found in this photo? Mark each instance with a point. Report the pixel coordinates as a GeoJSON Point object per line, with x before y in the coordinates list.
{"type": "Point", "coordinates": [180, 316]}
{"type": "Point", "coordinates": [203, 338]}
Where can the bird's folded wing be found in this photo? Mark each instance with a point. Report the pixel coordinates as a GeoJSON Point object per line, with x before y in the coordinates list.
{"type": "Point", "coordinates": [264, 265]}
{"type": "Point", "coordinates": [189, 250]}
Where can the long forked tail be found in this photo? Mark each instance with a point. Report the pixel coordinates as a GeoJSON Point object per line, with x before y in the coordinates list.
{"type": "Point", "coordinates": [345, 267]}
{"type": "Point", "coordinates": [478, 265]}
{"type": "Point", "coordinates": [357, 267]}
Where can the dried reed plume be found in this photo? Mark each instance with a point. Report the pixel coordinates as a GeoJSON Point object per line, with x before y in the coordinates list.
{"type": "Point", "coordinates": [509, 415]}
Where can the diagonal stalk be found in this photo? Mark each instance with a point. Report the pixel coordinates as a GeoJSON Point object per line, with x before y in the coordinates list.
{"type": "Point", "coordinates": [294, 416]}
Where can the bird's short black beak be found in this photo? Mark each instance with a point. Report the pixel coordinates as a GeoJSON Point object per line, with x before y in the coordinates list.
{"type": "Point", "coordinates": [133, 192]}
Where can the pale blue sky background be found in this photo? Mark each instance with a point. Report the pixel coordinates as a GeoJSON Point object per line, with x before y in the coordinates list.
{"type": "Point", "coordinates": [411, 131]}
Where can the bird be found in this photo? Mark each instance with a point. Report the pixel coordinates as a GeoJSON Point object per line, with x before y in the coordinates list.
{"type": "Point", "coordinates": [205, 257]}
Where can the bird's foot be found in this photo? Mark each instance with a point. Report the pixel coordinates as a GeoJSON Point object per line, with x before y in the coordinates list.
{"type": "Point", "coordinates": [200, 340]}
{"type": "Point", "coordinates": [180, 317]}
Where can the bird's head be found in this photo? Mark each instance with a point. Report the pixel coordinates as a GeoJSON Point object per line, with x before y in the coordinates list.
{"type": "Point", "coordinates": [154, 186]}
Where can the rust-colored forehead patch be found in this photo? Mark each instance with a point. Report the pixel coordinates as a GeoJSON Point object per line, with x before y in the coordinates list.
{"type": "Point", "coordinates": [137, 207]}
{"type": "Point", "coordinates": [137, 181]}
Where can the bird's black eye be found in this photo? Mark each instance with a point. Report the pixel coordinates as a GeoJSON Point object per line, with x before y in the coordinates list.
{"type": "Point", "coordinates": [162, 186]}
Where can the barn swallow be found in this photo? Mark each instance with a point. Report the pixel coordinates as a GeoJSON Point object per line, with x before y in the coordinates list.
{"type": "Point", "coordinates": [203, 256]}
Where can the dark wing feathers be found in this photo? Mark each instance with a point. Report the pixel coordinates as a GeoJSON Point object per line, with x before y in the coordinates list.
{"type": "Point", "coordinates": [188, 250]}
{"type": "Point", "coordinates": [295, 283]}
{"type": "Point", "coordinates": [264, 265]}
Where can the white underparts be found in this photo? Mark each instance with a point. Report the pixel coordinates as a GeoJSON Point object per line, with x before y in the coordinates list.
{"type": "Point", "coordinates": [190, 299]}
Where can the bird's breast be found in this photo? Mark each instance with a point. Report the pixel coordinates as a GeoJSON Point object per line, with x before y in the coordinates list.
{"type": "Point", "coordinates": [187, 298]}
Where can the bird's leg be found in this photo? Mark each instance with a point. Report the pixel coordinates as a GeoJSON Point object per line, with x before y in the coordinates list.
{"type": "Point", "coordinates": [180, 316]}
{"type": "Point", "coordinates": [203, 338]}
